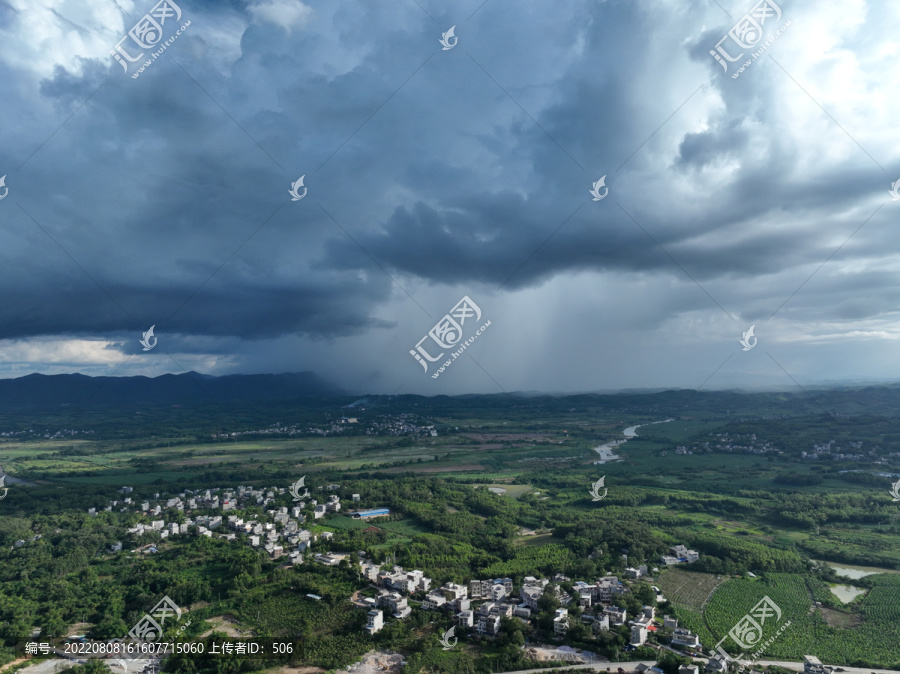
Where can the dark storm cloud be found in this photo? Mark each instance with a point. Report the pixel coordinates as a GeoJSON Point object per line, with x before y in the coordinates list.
{"type": "Point", "coordinates": [470, 166]}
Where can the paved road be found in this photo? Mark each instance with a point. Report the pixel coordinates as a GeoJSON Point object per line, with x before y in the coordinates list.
{"type": "Point", "coordinates": [51, 666]}
{"type": "Point", "coordinates": [631, 664]}
{"type": "Point", "coordinates": [599, 666]}
{"type": "Point", "coordinates": [798, 667]}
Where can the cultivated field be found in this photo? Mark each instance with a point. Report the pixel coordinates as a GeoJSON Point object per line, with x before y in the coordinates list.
{"type": "Point", "coordinates": [691, 590]}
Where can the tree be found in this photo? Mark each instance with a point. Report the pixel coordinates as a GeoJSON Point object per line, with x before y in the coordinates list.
{"type": "Point", "coordinates": [669, 662]}
{"type": "Point", "coordinates": [548, 602]}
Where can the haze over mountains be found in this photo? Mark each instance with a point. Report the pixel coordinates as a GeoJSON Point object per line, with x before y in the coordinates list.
{"type": "Point", "coordinates": [36, 392]}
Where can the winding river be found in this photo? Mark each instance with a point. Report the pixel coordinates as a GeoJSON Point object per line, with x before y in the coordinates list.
{"type": "Point", "coordinates": [606, 451]}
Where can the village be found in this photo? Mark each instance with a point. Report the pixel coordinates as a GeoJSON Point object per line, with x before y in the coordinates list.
{"type": "Point", "coordinates": [477, 606]}
{"type": "Point", "coordinates": [283, 536]}
{"type": "Point", "coordinates": [400, 424]}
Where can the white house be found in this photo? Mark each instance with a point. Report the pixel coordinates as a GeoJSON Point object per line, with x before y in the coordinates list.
{"type": "Point", "coordinates": [561, 621]}
{"type": "Point", "coordinates": [375, 621]}
{"type": "Point", "coordinates": [638, 635]}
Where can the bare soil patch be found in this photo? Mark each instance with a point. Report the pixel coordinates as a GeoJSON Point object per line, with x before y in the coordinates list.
{"type": "Point", "coordinates": [840, 619]}
{"type": "Point", "coordinates": [376, 662]}
{"type": "Point", "coordinates": [226, 624]}
{"type": "Point", "coordinates": [690, 589]}
{"type": "Point", "coordinates": [15, 662]}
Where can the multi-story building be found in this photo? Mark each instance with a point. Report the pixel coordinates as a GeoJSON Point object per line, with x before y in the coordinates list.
{"type": "Point", "coordinates": [453, 591]}
{"type": "Point", "coordinates": [685, 637]}
{"type": "Point", "coordinates": [488, 625]}
{"type": "Point", "coordinates": [434, 600]}
{"type": "Point", "coordinates": [680, 554]}
{"type": "Point", "coordinates": [607, 588]}
{"type": "Point", "coordinates": [494, 589]}
{"type": "Point", "coordinates": [397, 604]}
{"type": "Point", "coordinates": [369, 570]}
{"type": "Point", "coordinates": [375, 621]}
{"type": "Point", "coordinates": [617, 616]}
{"type": "Point", "coordinates": [417, 581]}
{"type": "Point", "coordinates": [601, 624]}
{"type": "Point", "coordinates": [561, 621]}
{"type": "Point", "coordinates": [638, 635]}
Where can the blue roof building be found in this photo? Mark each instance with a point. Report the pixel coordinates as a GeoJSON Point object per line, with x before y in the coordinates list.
{"type": "Point", "coordinates": [377, 512]}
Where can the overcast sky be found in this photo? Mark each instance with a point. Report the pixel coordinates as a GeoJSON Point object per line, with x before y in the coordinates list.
{"type": "Point", "coordinates": [434, 173]}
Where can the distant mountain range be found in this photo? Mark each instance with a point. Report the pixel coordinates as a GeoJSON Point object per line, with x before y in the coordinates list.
{"type": "Point", "coordinates": [38, 391]}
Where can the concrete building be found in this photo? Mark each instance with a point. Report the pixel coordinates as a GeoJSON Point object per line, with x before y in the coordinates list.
{"type": "Point", "coordinates": [397, 604]}
{"type": "Point", "coordinates": [561, 621]}
{"type": "Point", "coordinates": [433, 601]}
{"type": "Point", "coordinates": [685, 637]}
{"type": "Point", "coordinates": [488, 625]}
{"type": "Point", "coordinates": [812, 665]}
{"type": "Point", "coordinates": [374, 621]}
{"type": "Point", "coordinates": [716, 665]}
{"type": "Point", "coordinates": [601, 624]}
{"type": "Point", "coordinates": [616, 615]}
{"type": "Point", "coordinates": [638, 635]}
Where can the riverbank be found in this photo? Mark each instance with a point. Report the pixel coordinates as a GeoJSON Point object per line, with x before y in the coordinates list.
{"type": "Point", "coordinates": [606, 450]}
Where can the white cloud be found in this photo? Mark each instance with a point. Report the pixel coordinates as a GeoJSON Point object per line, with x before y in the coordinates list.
{"type": "Point", "coordinates": [50, 33]}
{"type": "Point", "coordinates": [56, 350]}
{"type": "Point", "coordinates": [289, 14]}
